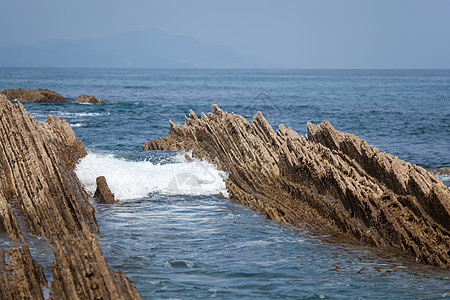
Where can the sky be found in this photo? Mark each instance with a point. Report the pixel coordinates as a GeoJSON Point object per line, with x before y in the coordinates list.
{"type": "Point", "coordinates": [283, 33]}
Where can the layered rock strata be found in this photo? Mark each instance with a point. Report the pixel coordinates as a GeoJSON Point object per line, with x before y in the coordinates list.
{"type": "Point", "coordinates": [27, 95]}
{"type": "Point", "coordinates": [328, 180]}
{"type": "Point", "coordinates": [38, 184]}
{"type": "Point", "coordinates": [21, 276]}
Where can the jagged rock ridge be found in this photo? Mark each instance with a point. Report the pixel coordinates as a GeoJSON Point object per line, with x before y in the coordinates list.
{"type": "Point", "coordinates": [38, 181]}
{"type": "Point", "coordinates": [329, 180]}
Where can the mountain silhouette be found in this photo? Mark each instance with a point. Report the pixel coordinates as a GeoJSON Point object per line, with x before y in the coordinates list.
{"type": "Point", "coordinates": [140, 49]}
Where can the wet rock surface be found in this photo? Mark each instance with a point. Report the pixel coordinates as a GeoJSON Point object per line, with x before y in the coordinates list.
{"type": "Point", "coordinates": [328, 180]}
{"type": "Point", "coordinates": [88, 99]}
{"type": "Point", "coordinates": [27, 95]}
{"type": "Point", "coordinates": [38, 183]}
{"type": "Point", "coordinates": [103, 193]}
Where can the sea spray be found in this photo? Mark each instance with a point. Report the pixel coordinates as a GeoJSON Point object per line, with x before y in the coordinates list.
{"type": "Point", "coordinates": [129, 179]}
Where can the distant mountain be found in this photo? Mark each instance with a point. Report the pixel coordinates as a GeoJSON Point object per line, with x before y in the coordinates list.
{"type": "Point", "coordinates": [140, 49]}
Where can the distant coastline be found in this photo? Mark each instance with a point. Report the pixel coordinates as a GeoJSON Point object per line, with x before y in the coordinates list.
{"type": "Point", "coordinates": [142, 49]}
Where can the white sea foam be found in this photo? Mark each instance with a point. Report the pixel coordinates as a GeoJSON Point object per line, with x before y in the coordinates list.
{"type": "Point", "coordinates": [134, 180]}
{"type": "Point", "coordinates": [77, 125]}
{"type": "Point", "coordinates": [76, 115]}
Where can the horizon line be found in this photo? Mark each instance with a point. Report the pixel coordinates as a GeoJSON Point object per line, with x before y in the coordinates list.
{"type": "Point", "coordinates": [237, 68]}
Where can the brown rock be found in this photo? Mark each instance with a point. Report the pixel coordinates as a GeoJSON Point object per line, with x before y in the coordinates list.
{"type": "Point", "coordinates": [103, 193]}
{"type": "Point", "coordinates": [328, 180]}
{"type": "Point", "coordinates": [37, 166]}
{"type": "Point", "coordinates": [36, 170]}
{"type": "Point", "coordinates": [8, 221]}
{"type": "Point", "coordinates": [81, 272]}
{"type": "Point", "coordinates": [21, 277]}
{"type": "Point", "coordinates": [88, 99]}
{"type": "Point", "coordinates": [27, 95]}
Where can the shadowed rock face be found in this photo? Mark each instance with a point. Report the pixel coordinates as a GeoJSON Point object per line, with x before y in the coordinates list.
{"type": "Point", "coordinates": [27, 95]}
{"type": "Point", "coordinates": [38, 182]}
{"type": "Point", "coordinates": [328, 180]}
{"type": "Point", "coordinates": [103, 193]}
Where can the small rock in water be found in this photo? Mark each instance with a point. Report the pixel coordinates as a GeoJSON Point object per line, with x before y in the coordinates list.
{"type": "Point", "coordinates": [103, 193]}
{"type": "Point", "coordinates": [88, 99]}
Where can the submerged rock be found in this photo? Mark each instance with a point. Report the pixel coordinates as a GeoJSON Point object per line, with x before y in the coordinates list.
{"type": "Point", "coordinates": [27, 95]}
{"type": "Point", "coordinates": [328, 180]}
{"type": "Point", "coordinates": [103, 193]}
{"type": "Point", "coordinates": [38, 184]}
{"type": "Point", "coordinates": [88, 99]}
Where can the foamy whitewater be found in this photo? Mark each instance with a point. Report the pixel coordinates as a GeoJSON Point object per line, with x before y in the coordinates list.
{"type": "Point", "coordinates": [137, 179]}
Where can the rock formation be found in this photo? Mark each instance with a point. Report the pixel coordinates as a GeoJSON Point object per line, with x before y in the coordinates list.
{"type": "Point", "coordinates": [38, 185]}
{"type": "Point", "coordinates": [27, 95]}
{"type": "Point", "coordinates": [88, 99]}
{"type": "Point", "coordinates": [328, 180]}
{"type": "Point", "coordinates": [21, 276]}
{"type": "Point", "coordinates": [103, 193]}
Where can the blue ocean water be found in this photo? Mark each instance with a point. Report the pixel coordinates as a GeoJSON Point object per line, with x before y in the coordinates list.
{"type": "Point", "coordinates": [172, 233]}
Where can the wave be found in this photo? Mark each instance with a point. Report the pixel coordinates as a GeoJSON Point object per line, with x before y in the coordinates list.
{"type": "Point", "coordinates": [77, 125]}
{"type": "Point", "coordinates": [138, 179]}
{"type": "Point", "coordinates": [76, 115]}
{"type": "Point", "coordinates": [138, 87]}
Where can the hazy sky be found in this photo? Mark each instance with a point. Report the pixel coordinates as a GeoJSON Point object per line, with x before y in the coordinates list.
{"type": "Point", "coordinates": [296, 34]}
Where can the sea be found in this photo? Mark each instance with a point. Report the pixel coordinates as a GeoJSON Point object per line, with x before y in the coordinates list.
{"type": "Point", "coordinates": [173, 233]}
